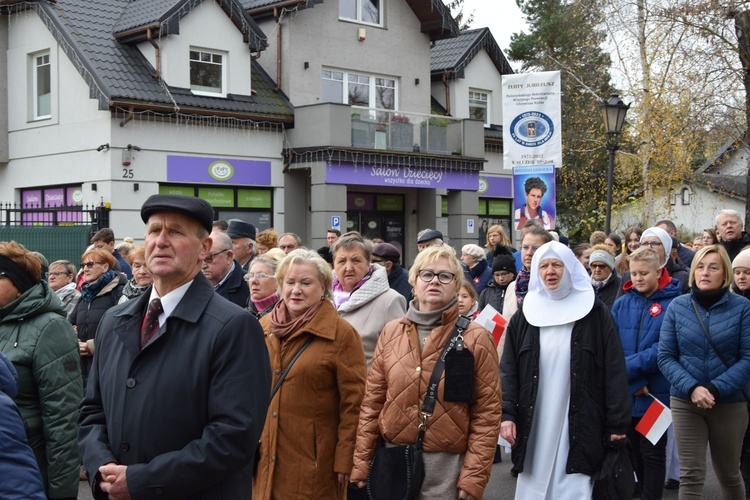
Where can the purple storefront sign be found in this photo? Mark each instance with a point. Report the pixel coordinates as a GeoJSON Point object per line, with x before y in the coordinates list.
{"type": "Point", "coordinates": [200, 170]}
{"type": "Point", "coordinates": [496, 187]}
{"type": "Point", "coordinates": [401, 176]}
{"type": "Point", "coordinates": [54, 197]}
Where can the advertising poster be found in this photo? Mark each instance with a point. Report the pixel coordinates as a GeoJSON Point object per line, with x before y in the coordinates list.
{"type": "Point", "coordinates": [532, 120]}
{"type": "Point", "coordinates": [534, 195]}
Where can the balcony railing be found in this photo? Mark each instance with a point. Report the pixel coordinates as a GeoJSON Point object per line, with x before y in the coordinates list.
{"type": "Point", "coordinates": [401, 131]}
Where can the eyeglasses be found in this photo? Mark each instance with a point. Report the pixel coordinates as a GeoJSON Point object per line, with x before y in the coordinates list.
{"type": "Point", "coordinates": [90, 264]}
{"type": "Point", "coordinates": [597, 265]}
{"type": "Point", "coordinates": [260, 276]}
{"type": "Point", "coordinates": [532, 247]}
{"type": "Point", "coordinates": [376, 261]}
{"type": "Point", "coordinates": [427, 276]}
{"type": "Point", "coordinates": [59, 273]}
{"type": "Point", "coordinates": [210, 257]}
{"type": "Point", "coordinates": [652, 244]}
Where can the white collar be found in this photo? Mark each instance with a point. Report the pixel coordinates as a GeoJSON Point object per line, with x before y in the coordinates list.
{"type": "Point", "coordinates": [169, 301]}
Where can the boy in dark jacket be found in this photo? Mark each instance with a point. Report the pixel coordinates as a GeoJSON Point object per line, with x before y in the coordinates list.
{"type": "Point", "coordinates": [503, 272]}
{"type": "Point", "coordinates": [639, 315]}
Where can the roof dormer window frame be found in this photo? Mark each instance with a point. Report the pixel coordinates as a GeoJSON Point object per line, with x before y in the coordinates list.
{"type": "Point", "coordinates": [203, 59]}
{"type": "Point", "coordinates": [361, 11]}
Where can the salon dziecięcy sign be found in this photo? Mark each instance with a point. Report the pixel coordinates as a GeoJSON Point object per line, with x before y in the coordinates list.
{"type": "Point", "coordinates": [401, 176]}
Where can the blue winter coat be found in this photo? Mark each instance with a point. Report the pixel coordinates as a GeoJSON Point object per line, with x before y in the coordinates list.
{"type": "Point", "coordinates": [639, 319]}
{"type": "Point", "coordinates": [18, 469]}
{"type": "Point", "coordinates": [479, 275]}
{"type": "Point", "coordinates": [687, 359]}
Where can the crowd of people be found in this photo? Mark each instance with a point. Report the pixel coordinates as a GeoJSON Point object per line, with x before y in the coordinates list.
{"type": "Point", "coordinates": [218, 361]}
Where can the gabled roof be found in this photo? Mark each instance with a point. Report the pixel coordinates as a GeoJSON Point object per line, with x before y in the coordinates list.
{"type": "Point", "coordinates": [733, 186]}
{"type": "Point", "coordinates": [728, 147]}
{"type": "Point", "coordinates": [141, 18]}
{"type": "Point", "coordinates": [435, 17]}
{"type": "Point", "coordinates": [452, 55]}
{"type": "Point", "coordinates": [119, 76]}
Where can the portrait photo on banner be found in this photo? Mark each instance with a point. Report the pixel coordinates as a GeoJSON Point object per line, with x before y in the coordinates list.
{"type": "Point", "coordinates": [534, 195]}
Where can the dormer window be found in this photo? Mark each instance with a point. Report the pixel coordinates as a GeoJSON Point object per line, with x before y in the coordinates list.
{"type": "Point", "coordinates": [362, 11]}
{"type": "Point", "coordinates": [479, 106]}
{"type": "Point", "coordinates": [207, 72]}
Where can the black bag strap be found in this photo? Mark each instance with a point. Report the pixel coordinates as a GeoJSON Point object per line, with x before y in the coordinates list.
{"type": "Point", "coordinates": [289, 366]}
{"type": "Point", "coordinates": [708, 337]}
{"type": "Point", "coordinates": [428, 406]}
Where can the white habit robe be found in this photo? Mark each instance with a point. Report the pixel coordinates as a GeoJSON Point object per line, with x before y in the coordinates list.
{"type": "Point", "coordinates": [543, 476]}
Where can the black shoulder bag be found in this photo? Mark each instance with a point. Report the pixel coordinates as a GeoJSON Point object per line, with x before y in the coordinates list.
{"type": "Point", "coordinates": [397, 472]}
{"type": "Point", "coordinates": [713, 346]}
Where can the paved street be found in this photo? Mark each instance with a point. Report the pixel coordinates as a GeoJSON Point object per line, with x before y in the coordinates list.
{"type": "Point", "coordinates": [502, 485]}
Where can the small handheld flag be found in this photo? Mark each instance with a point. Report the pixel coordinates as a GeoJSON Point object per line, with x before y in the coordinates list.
{"type": "Point", "coordinates": [655, 422]}
{"type": "Point", "coordinates": [493, 322]}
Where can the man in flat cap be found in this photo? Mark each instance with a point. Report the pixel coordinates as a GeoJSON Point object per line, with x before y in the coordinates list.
{"type": "Point", "coordinates": [243, 240]}
{"type": "Point", "coordinates": [179, 387]}
{"type": "Point", "coordinates": [429, 238]}
{"type": "Point", "coordinates": [389, 257]}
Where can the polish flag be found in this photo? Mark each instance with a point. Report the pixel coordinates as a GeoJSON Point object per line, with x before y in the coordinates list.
{"type": "Point", "coordinates": [655, 421]}
{"type": "Point", "coordinates": [493, 322]}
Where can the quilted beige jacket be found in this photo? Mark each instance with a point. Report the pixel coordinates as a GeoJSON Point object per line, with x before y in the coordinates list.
{"type": "Point", "coordinates": [396, 386]}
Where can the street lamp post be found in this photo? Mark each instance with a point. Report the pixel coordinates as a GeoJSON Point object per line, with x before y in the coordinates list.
{"type": "Point", "coordinates": [613, 111]}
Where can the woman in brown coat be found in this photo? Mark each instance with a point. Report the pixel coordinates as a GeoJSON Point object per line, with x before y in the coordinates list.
{"type": "Point", "coordinates": [308, 440]}
{"type": "Point", "coordinates": [460, 440]}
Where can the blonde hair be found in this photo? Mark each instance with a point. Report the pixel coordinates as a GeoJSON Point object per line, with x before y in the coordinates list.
{"type": "Point", "coordinates": [645, 254]}
{"type": "Point", "coordinates": [723, 257]}
{"type": "Point", "coordinates": [305, 256]}
{"type": "Point", "coordinates": [431, 254]}
{"type": "Point", "coordinates": [497, 228]}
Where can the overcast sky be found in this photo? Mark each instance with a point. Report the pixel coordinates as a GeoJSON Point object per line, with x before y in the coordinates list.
{"type": "Point", "coordinates": [502, 17]}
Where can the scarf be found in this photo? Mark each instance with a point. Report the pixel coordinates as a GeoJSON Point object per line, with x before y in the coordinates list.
{"type": "Point", "coordinates": [707, 299]}
{"type": "Point", "coordinates": [282, 323]}
{"type": "Point", "coordinates": [132, 289]}
{"type": "Point", "coordinates": [65, 293]}
{"type": "Point", "coordinates": [426, 321]}
{"type": "Point", "coordinates": [598, 285]}
{"type": "Point", "coordinates": [266, 302]}
{"type": "Point", "coordinates": [340, 296]}
{"type": "Point", "coordinates": [522, 284]}
{"type": "Point", "coordinates": [89, 291]}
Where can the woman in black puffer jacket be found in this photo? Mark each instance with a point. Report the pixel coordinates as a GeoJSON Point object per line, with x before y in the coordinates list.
{"type": "Point", "coordinates": [101, 290]}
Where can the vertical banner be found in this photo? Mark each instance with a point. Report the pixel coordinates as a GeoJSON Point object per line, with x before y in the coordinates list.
{"type": "Point", "coordinates": [534, 195]}
{"type": "Point", "coordinates": [532, 120]}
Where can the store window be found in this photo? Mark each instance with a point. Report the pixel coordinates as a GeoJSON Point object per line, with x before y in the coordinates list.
{"type": "Point", "coordinates": [362, 11]}
{"type": "Point", "coordinates": [492, 211]}
{"type": "Point", "coordinates": [479, 106]}
{"type": "Point", "coordinates": [253, 205]}
{"type": "Point", "coordinates": [207, 72]}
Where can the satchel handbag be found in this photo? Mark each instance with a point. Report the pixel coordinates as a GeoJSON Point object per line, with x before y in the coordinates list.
{"type": "Point", "coordinates": [397, 472]}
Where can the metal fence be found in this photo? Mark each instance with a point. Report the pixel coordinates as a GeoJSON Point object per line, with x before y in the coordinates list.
{"type": "Point", "coordinates": [57, 232]}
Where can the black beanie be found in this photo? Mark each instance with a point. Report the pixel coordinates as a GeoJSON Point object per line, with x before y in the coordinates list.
{"type": "Point", "coordinates": [503, 260]}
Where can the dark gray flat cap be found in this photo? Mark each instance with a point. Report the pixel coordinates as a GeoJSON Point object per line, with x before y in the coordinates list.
{"type": "Point", "coordinates": [430, 235]}
{"type": "Point", "coordinates": [195, 208]}
{"type": "Point", "coordinates": [241, 229]}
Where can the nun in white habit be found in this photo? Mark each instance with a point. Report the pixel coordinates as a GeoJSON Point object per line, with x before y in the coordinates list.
{"type": "Point", "coordinates": [565, 389]}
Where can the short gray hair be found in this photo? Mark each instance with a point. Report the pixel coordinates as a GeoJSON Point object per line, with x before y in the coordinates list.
{"type": "Point", "coordinates": [729, 212]}
{"type": "Point", "coordinates": [222, 239]}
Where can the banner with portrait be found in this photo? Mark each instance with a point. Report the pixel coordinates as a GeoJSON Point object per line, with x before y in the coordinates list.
{"type": "Point", "coordinates": [532, 122]}
{"type": "Point", "coordinates": [534, 195]}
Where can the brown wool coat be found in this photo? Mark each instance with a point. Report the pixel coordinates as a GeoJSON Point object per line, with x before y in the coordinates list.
{"type": "Point", "coordinates": [396, 386]}
{"type": "Point", "coordinates": [312, 420]}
